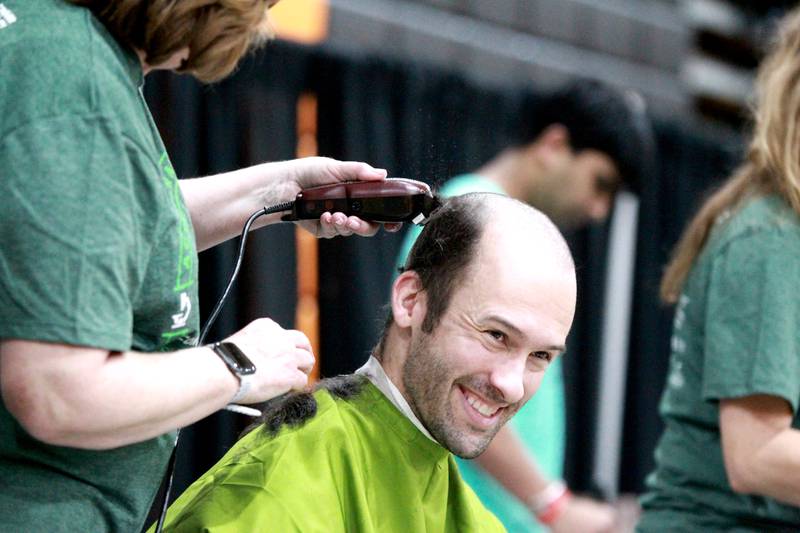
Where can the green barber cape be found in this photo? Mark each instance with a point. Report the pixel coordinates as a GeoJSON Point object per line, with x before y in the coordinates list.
{"type": "Point", "coordinates": [540, 424]}
{"type": "Point", "coordinates": [359, 465]}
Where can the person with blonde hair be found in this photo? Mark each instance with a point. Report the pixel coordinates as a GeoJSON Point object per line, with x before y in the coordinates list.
{"type": "Point", "coordinates": [98, 267]}
{"type": "Point", "coordinates": [729, 458]}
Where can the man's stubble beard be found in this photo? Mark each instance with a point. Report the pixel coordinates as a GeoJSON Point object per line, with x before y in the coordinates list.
{"type": "Point", "coordinates": [428, 381]}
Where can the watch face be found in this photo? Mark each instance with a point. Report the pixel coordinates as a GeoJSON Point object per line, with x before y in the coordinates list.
{"type": "Point", "coordinates": [235, 358]}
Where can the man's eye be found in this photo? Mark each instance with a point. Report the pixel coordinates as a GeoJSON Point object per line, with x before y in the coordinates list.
{"type": "Point", "coordinates": [497, 335]}
{"type": "Point", "coordinates": [604, 184]}
{"type": "Point", "coordinates": [544, 356]}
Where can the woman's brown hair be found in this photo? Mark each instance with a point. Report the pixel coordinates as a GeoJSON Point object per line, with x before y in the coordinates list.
{"type": "Point", "coordinates": [217, 32]}
{"type": "Point", "coordinates": [773, 157]}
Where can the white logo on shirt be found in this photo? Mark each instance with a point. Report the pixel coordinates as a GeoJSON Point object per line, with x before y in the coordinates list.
{"type": "Point", "coordinates": [179, 320]}
{"type": "Point", "coordinates": [676, 378]}
{"type": "Point", "coordinates": [7, 17]}
{"type": "Point", "coordinates": [678, 345]}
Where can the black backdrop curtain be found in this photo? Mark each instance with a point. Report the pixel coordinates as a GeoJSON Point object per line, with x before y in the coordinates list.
{"type": "Point", "coordinates": [690, 166]}
{"type": "Point", "coordinates": [424, 123]}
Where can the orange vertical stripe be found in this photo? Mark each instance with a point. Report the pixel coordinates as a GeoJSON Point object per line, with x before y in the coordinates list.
{"type": "Point", "coordinates": [307, 314]}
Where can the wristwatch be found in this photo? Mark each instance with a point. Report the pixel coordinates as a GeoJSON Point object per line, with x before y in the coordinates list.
{"type": "Point", "coordinates": [239, 365]}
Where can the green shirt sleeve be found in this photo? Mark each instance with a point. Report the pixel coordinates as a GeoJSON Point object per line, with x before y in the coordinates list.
{"type": "Point", "coordinates": [67, 267]}
{"type": "Point", "coordinates": [752, 341]}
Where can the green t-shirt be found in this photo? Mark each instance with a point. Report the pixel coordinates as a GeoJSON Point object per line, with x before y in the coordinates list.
{"type": "Point", "coordinates": [97, 250]}
{"type": "Point", "coordinates": [540, 423]}
{"type": "Point", "coordinates": [736, 333]}
{"type": "Point", "coordinates": [358, 465]}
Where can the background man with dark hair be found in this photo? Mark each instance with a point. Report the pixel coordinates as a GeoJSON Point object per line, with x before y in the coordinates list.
{"type": "Point", "coordinates": [476, 319]}
{"type": "Point", "coordinates": [574, 149]}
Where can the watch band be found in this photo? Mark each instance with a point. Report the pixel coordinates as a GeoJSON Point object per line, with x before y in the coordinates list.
{"type": "Point", "coordinates": [238, 364]}
{"type": "Point", "coordinates": [245, 384]}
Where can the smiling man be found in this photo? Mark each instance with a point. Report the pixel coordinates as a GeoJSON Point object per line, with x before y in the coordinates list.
{"type": "Point", "coordinates": [571, 150]}
{"type": "Point", "coordinates": [483, 306]}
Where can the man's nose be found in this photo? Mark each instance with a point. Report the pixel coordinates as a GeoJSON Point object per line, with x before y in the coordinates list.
{"type": "Point", "coordinates": [508, 377]}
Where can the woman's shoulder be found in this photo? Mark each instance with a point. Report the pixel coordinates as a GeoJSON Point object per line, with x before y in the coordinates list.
{"type": "Point", "coordinates": [766, 220]}
{"type": "Point", "coordinates": [59, 59]}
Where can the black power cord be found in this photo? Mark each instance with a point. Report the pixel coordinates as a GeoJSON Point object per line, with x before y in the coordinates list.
{"type": "Point", "coordinates": [286, 206]}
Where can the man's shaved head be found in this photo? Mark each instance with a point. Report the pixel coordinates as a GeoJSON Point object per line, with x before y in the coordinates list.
{"type": "Point", "coordinates": [507, 215]}
{"type": "Point", "coordinates": [450, 242]}
{"type": "Point", "coordinates": [484, 304]}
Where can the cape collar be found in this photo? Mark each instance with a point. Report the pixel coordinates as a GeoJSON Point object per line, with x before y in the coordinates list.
{"type": "Point", "coordinates": [374, 372]}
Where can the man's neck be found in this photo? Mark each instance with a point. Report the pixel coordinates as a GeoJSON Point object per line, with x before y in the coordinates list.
{"type": "Point", "coordinates": [375, 372]}
{"type": "Point", "coordinates": [504, 171]}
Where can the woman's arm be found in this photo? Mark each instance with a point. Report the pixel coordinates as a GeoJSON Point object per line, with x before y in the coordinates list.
{"type": "Point", "coordinates": [219, 205]}
{"type": "Point", "coordinates": [761, 449]}
{"type": "Point", "coordinates": [95, 399]}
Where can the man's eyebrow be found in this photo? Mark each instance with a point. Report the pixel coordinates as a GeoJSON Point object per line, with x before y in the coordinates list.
{"type": "Point", "coordinates": [560, 348]}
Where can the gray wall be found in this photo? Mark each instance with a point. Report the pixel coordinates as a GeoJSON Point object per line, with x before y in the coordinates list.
{"type": "Point", "coordinates": [636, 43]}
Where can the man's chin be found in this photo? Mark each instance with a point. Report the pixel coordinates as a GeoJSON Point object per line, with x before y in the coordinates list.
{"type": "Point", "coordinates": [470, 454]}
{"type": "Point", "coordinates": [469, 450]}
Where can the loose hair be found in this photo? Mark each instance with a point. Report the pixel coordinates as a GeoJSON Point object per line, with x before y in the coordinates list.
{"type": "Point", "coordinates": [294, 409]}
{"type": "Point", "coordinates": [772, 164]}
{"type": "Point", "coordinates": [217, 32]}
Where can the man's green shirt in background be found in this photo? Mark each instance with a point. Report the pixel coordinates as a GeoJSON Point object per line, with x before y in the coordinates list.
{"type": "Point", "coordinates": [736, 333]}
{"type": "Point", "coordinates": [97, 250]}
{"type": "Point", "coordinates": [358, 465]}
{"type": "Point", "coordinates": [540, 424]}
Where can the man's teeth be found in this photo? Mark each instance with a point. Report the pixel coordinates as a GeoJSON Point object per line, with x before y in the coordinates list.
{"type": "Point", "coordinates": [479, 406]}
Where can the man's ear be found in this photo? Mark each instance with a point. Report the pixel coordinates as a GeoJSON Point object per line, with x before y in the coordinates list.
{"type": "Point", "coordinates": [551, 147]}
{"type": "Point", "coordinates": [408, 299]}
{"type": "Point", "coordinates": [554, 136]}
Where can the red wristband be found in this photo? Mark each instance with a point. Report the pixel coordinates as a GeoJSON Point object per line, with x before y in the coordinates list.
{"type": "Point", "coordinates": [553, 510]}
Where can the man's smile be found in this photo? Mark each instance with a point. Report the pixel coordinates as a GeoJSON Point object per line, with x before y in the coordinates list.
{"type": "Point", "coordinates": [481, 412]}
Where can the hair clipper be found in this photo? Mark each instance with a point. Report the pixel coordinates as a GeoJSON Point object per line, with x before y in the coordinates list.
{"type": "Point", "coordinates": [389, 200]}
